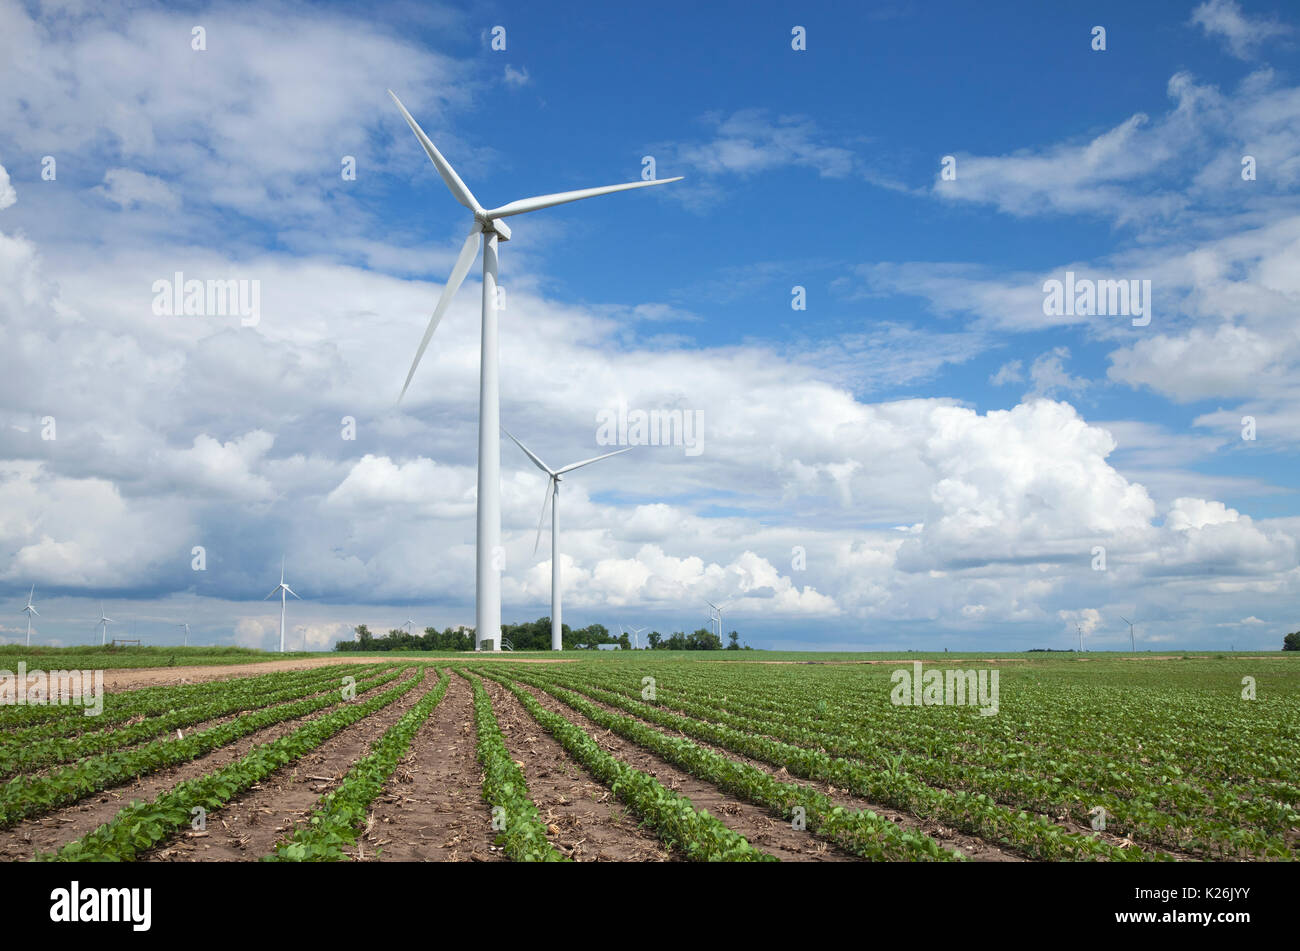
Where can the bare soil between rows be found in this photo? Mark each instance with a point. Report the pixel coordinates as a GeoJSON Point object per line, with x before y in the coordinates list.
{"type": "Point", "coordinates": [432, 809]}
{"type": "Point", "coordinates": [585, 821]}
{"type": "Point", "coordinates": [251, 825]}
{"type": "Point", "coordinates": [756, 824]}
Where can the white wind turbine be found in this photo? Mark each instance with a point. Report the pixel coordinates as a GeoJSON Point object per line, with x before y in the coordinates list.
{"type": "Point", "coordinates": [186, 625]}
{"type": "Point", "coordinates": [407, 624]}
{"type": "Point", "coordinates": [552, 498]}
{"type": "Point", "coordinates": [103, 623]}
{"type": "Point", "coordinates": [488, 229]}
{"type": "Point", "coordinates": [717, 616]}
{"type": "Point", "coordinates": [636, 635]}
{"type": "Point", "coordinates": [283, 589]}
{"type": "Point", "coordinates": [29, 611]}
{"type": "Point", "coordinates": [1132, 641]}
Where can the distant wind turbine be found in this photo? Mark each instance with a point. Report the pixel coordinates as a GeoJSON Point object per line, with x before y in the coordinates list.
{"type": "Point", "coordinates": [718, 610]}
{"type": "Point", "coordinates": [187, 630]}
{"type": "Point", "coordinates": [408, 623]}
{"type": "Point", "coordinates": [283, 589]}
{"type": "Point", "coordinates": [552, 498]}
{"type": "Point", "coordinates": [29, 611]}
{"type": "Point", "coordinates": [104, 622]}
{"type": "Point", "coordinates": [488, 229]}
{"type": "Point", "coordinates": [1132, 641]}
{"type": "Point", "coordinates": [636, 635]}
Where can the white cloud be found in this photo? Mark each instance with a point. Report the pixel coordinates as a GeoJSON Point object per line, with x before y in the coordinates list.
{"type": "Point", "coordinates": [7, 193]}
{"type": "Point", "coordinates": [517, 77]}
{"type": "Point", "coordinates": [1242, 33]}
{"type": "Point", "coordinates": [128, 188]}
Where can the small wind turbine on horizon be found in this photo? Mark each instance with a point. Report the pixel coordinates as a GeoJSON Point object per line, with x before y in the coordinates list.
{"type": "Point", "coordinates": [1132, 641]}
{"type": "Point", "coordinates": [30, 610]}
{"type": "Point", "coordinates": [636, 635]}
{"type": "Point", "coordinates": [103, 623]}
{"type": "Point", "coordinates": [407, 624]}
{"type": "Point", "coordinates": [552, 498]}
{"type": "Point", "coordinates": [283, 590]}
{"type": "Point", "coordinates": [185, 624]}
{"type": "Point", "coordinates": [717, 615]}
{"type": "Point", "coordinates": [488, 230]}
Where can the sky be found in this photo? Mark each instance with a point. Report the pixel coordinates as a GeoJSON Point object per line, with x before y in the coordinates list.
{"type": "Point", "coordinates": [901, 444]}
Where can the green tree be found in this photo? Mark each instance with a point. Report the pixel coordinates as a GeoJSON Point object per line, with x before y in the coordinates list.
{"type": "Point", "coordinates": [1291, 642]}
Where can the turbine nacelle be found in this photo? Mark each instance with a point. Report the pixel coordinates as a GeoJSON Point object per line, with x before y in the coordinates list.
{"type": "Point", "coordinates": [489, 225]}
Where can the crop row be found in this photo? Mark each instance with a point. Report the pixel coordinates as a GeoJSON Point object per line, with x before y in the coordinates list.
{"type": "Point", "coordinates": [235, 698]}
{"type": "Point", "coordinates": [125, 705]}
{"type": "Point", "coordinates": [143, 825]}
{"type": "Point", "coordinates": [514, 814]}
{"type": "Point", "coordinates": [974, 814]}
{"type": "Point", "coordinates": [28, 795]}
{"type": "Point", "coordinates": [696, 834]}
{"type": "Point", "coordinates": [859, 831]}
{"type": "Point", "coordinates": [336, 822]}
{"type": "Point", "coordinates": [1167, 813]}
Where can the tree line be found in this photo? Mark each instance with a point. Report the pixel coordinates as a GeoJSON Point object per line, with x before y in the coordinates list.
{"type": "Point", "coordinates": [533, 636]}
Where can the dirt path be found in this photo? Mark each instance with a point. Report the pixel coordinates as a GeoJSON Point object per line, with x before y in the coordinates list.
{"type": "Point", "coordinates": [433, 809]}
{"type": "Point", "coordinates": [586, 821]}
{"type": "Point", "coordinates": [132, 678]}
{"type": "Point", "coordinates": [53, 829]}
{"type": "Point", "coordinates": [249, 826]}
{"type": "Point", "coordinates": [761, 829]}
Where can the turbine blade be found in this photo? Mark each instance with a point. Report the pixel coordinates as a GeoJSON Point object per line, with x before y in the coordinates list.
{"type": "Point", "coordinates": [292, 592]}
{"type": "Point", "coordinates": [449, 176]}
{"type": "Point", "coordinates": [468, 251]}
{"type": "Point", "coordinates": [531, 455]}
{"type": "Point", "coordinates": [587, 462]}
{"type": "Point", "coordinates": [36, 612]}
{"type": "Point", "coordinates": [560, 198]}
{"type": "Point", "coordinates": [542, 519]}
{"type": "Point", "coordinates": [273, 593]}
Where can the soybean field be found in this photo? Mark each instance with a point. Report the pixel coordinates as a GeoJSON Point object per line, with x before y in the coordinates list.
{"type": "Point", "coordinates": [659, 756]}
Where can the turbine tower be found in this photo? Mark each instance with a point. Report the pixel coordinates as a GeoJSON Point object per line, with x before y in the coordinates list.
{"type": "Point", "coordinates": [1132, 641]}
{"type": "Point", "coordinates": [185, 624]}
{"type": "Point", "coordinates": [29, 611]}
{"type": "Point", "coordinates": [552, 498]}
{"type": "Point", "coordinates": [103, 623]}
{"type": "Point", "coordinates": [283, 589]}
{"type": "Point", "coordinates": [718, 611]}
{"type": "Point", "coordinates": [488, 229]}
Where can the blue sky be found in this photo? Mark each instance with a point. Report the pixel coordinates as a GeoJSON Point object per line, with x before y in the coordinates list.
{"type": "Point", "coordinates": [946, 456]}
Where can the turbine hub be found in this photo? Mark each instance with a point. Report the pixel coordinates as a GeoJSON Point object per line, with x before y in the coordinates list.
{"type": "Point", "coordinates": [493, 226]}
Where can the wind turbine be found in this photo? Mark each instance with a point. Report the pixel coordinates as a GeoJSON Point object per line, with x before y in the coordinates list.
{"type": "Point", "coordinates": [407, 624]}
{"type": "Point", "coordinates": [552, 498]}
{"type": "Point", "coordinates": [718, 610]}
{"type": "Point", "coordinates": [636, 635]}
{"type": "Point", "coordinates": [282, 588]}
{"type": "Point", "coordinates": [185, 624]}
{"type": "Point", "coordinates": [104, 622]}
{"type": "Point", "coordinates": [488, 229]}
{"type": "Point", "coordinates": [1132, 642]}
{"type": "Point", "coordinates": [29, 611]}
